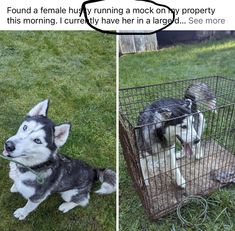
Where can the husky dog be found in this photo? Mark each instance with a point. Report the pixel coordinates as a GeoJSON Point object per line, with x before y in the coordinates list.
{"type": "Point", "coordinates": [166, 120]}
{"type": "Point", "coordinates": [36, 145]}
{"type": "Point", "coordinates": [160, 124]}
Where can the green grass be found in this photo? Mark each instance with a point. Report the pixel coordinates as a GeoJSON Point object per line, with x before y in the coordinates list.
{"type": "Point", "coordinates": [76, 71]}
{"type": "Point", "coordinates": [177, 62]}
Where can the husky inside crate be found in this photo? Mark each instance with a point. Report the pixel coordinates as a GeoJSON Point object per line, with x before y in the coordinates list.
{"type": "Point", "coordinates": [165, 121]}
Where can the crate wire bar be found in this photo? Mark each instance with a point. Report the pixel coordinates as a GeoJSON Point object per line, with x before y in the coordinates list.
{"type": "Point", "coordinates": [159, 193]}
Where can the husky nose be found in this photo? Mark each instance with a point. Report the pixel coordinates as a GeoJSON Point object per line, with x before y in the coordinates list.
{"type": "Point", "coordinates": [196, 141]}
{"type": "Point", "coordinates": [9, 146]}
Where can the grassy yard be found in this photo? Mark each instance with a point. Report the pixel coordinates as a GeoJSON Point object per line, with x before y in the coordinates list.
{"type": "Point", "coordinates": [76, 71]}
{"type": "Point", "coordinates": [177, 62]}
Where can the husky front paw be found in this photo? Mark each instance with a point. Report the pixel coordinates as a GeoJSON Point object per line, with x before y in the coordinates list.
{"type": "Point", "coordinates": [181, 182]}
{"type": "Point", "coordinates": [199, 155]}
{"type": "Point", "coordinates": [13, 189]}
{"type": "Point", "coordinates": [198, 150]}
{"type": "Point", "coordinates": [20, 214]}
{"type": "Point", "coordinates": [66, 206]}
{"type": "Point", "coordinates": [147, 183]}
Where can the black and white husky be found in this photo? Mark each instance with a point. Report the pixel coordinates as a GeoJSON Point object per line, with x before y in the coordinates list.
{"type": "Point", "coordinates": [36, 145]}
{"type": "Point", "coordinates": [167, 120]}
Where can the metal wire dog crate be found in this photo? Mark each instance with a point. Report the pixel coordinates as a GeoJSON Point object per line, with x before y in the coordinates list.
{"type": "Point", "coordinates": [159, 193]}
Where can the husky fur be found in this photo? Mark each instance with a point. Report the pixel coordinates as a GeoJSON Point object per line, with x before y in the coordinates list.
{"type": "Point", "coordinates": [36, 145]}
{"type": "Point", "coordinates": [166, 120]}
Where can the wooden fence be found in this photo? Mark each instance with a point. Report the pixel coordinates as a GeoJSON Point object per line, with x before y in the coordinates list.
{"type": "Point", "coordinates": [137, 43]}
{"type": "Point", "coordinates": [143, 43]}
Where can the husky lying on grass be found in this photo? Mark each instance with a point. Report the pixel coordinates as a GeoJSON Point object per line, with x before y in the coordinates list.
{"type": "Point", "coordinates": [36, 145]}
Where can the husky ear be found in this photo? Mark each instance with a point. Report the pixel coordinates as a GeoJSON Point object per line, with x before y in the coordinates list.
{"type": "Point", "coordinates": [166, 113]}
{"type": "Point", "coordinates": [188, 104]}
{"type": "Point", "coordinates": [39, 109]}
{"type": "Point", "coordinates": [61, 134]}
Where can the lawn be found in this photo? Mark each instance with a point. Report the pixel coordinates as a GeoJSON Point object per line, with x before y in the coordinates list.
{"type": "Point", "coordinates": [187, 61]}
{"type": "Point", "coordinates": [76, 71]}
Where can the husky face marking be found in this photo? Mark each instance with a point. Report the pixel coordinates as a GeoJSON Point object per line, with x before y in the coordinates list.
{"type": "Point", "coordinates": [185, 131]}
{"type": "Point", "coordinates": [28, 144]}
{"type": "Point", "coordinates": [36, 145]}
{"type": "Point", "coordinates": [36, 135]}
{"type": "Point", "coordinates": [171, 119]}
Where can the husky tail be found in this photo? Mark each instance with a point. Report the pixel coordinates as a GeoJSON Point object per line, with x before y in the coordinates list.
{"type": "Point", "coordinates": [108, 179]}
{"type": "Point", "coordinates": [201, 92]}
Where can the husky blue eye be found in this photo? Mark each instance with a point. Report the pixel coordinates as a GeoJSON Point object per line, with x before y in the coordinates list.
{"type": "Point", "coordinates": [25, 127]}
{"type": "Point", "coordinates": [37, 141]}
